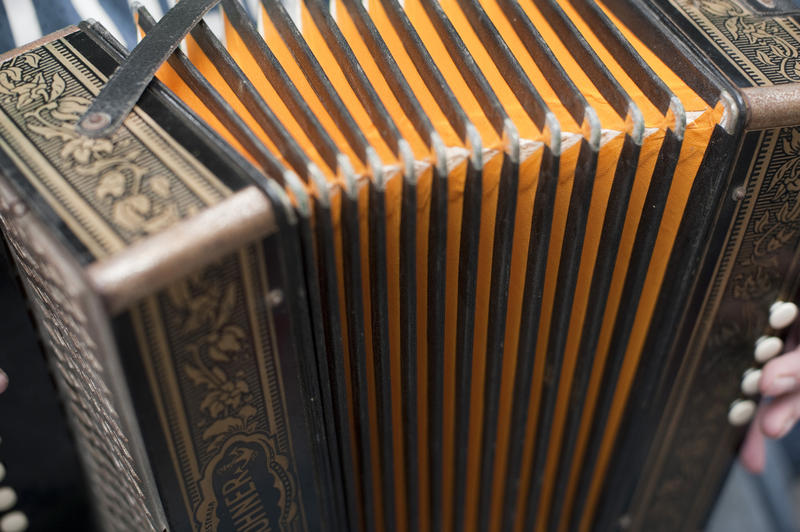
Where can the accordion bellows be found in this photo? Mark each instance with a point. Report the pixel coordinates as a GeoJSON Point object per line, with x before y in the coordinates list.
{"type": "Point", "coordinates": [464, 401]}
{"type": "Point", "coordinates": [419, 265]}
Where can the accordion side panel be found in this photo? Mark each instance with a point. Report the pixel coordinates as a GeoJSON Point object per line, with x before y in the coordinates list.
{"type": "Point", "coordinates": [36, 443]}
{"type": "Point", "coordinates": [83, 181]}
{"type": "Point", "coordinates": [212, 379]}
{"type": "Point", "coordinates": [758, 265]}
{"type": "Point", "coordinates": [60, 301]}
{"type": "Point", "coordinates": [81, 188]}
{"type": "Point", "coordinates": [213, 360]}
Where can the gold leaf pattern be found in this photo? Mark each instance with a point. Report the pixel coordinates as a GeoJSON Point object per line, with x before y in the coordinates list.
{"type": "Point", "coordinates": [160, 220]}
{"type": "Point", "coordinates": [207, 309]}
{"type": "Point", "coordinates": [732, 25]}
{"type": "Point", "coordinates": [227, 419]}
{"type": "Point", "coordinates": [57, 88]}
{"type": "Point", "coordinates": [137, 202]}
{"type": "Point", "coordinates": [31, 59]}
{"type": "Point", "coordinates": [84, 149]}
{"type": "Point", "coordinates": [131, 212]}
{"type": "Point", "coordinates": [762, 222]}
{"type": "Point", "coordinates": [111, 184]}
{"type": "Point", "coordinates": [763, 57]}
{"type": "Point", "coordinates": [757, 39]}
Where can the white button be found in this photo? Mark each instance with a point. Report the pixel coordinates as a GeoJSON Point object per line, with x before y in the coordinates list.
{"type": "Point", "coordinates": [14, 522]}
{"type": "Point", "coordinates": [8, 498]}
{"type": "Point", "coordinates": [782, 314]}
{"type": "Point", "coordinates": [741, 412]}
{"type": "Point", "coordinates": [750, 381]}
{"type": "Point", "coordinates": [767, 347]}
{"type": "Point", "coordinates": [2, 472]}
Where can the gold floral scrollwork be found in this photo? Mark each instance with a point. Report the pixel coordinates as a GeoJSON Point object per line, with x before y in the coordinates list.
{"type": "Point", "coordinates": [239, 452]}
{"type": "Point", "coordinates": [786, 182]}
{"type": "Point", "coordinates": [140, 202]}
{"type": "Point", "coordinates": [206, 310]}
{"type": "Point", "coordinates": [776, 227]}
{"type": "Point", "coordinates": [761, 38]}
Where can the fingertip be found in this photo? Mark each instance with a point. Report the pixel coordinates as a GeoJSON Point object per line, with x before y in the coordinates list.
{"type": "Point", "coordinates": [775, 425]}
{"type": "Point", "coordinates": [753, 465]}
{"type": "Point", "coordinates": [752, 455]}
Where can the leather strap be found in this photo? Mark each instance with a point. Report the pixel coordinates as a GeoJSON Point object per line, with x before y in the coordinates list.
{"type": "Point", "coordinates": [117, 98]}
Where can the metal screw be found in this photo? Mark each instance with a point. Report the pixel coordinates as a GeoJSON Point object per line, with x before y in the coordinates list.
{"type": "Point", "coordinates": [18, 208]}
{"type": "Point", "coordinates": [275, 297]}
{"type": "Point", "coordinates": [95, 121]}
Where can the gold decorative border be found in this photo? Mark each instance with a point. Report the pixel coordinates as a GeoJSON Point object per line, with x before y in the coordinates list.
{"type": "Point", "coordinates": [211, 338]}
{"type": "Point", "coordinates": [763, 48]}
{"type": "Point", "coordinates": [109, 191]}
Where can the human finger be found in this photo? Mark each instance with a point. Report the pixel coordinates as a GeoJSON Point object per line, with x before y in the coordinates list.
{"type": "Point", "coordinates": [780, 415]}
{"type": "Point", "coordinates": [781, 375]}
{"type": "Point", "coordinates": [753, 452]}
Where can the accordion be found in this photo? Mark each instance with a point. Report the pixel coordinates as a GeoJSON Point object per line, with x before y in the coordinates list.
{"type": "Point", "coordinates": [408, 265]}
